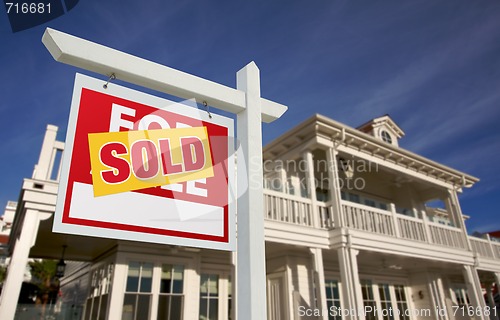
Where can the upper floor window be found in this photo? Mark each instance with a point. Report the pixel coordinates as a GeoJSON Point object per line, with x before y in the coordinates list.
{"type": "Point", "coordinates": [322, 195]}
{"type": "Point", "coordinates": [361, 199]}
{"type": "Point", "coordinates": [405, 211]}
{"type": "Point", "coordinates": [386, 137]}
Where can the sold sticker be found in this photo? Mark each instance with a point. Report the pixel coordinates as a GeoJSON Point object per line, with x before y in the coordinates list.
{"type": "Point", "coordinates": [134, 160]}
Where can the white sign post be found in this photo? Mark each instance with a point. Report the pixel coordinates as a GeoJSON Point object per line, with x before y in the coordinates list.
{"type": "Point", "coordinates": [251, 109]}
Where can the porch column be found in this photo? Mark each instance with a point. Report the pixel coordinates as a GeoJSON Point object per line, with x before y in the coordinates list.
{"type": "Point", "coordinates": [394, 216]}
{"type": "Point", "coordinates": [319, 273]}
{"type": "Point", "coordinates": [333, 176]}
{"type": "Point", "coordinates": [117, 292]}
{"type": "Point", "coordinates": [474, 289]}
{"type": "Point", "coordinates": [425, 221]}
{"type": "Point", "coordinates": [489, 294]}
{"type": "Point", "coordinates": [352, 297]}
{"type": "Point", "coordinates": [497, 280]}
{"type": "Point", "coordinates": [43, 168]}
{"type": "Point", "coordinates": [497, 283]}
{"type": "Point", "coordinates": [453, 206]}
{"type": "Point", "coordinates": [311, 187]}
{"type": "Point", "coordinates": [192, 276]}
{"type": "Point", "coordinates": [17, 265]}
{"type": "Point", "coordinates": [435, 295]}
{"type": "Point", "coordinates": [284, 180]}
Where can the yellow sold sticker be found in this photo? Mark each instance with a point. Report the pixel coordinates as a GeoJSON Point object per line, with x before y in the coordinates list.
{"type": "Point", "coordinates": [134, 160]}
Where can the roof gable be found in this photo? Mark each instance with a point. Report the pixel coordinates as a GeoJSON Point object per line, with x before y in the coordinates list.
{"type": "Point", "coordinates": [382, 121]}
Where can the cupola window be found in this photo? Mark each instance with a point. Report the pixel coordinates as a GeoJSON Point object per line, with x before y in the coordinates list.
{"type": "Point", "coordinates": [386, 137]}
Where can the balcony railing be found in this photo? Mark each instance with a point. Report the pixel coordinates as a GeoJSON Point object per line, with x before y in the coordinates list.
{"type": "Point", "coordinates": [366, 218]}
{"type": "Point", "coordinates": [485, 248]}
{"type": "Point", "coordinates": [411, 228]}
{"type": "Point", "coordinates": [283, 207]}
{"type": "Point", "coordinates": [325, 215]}
{"type": "Point", "coordinates": [292, 209]}
{"type": "Point", "coordinates": [447, 236]}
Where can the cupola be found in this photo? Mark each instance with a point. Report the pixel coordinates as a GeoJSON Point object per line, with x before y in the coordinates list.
{"type": "Point", "coordinates": [383, 128]}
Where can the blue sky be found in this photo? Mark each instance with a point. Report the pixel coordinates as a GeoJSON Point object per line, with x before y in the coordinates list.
{"type": "Point", "coordinates": [434, 66]}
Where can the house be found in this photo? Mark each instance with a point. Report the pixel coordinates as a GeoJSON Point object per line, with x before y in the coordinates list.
{"type": "Point", "coordinates": [5, 226]}
{"type": "Point", "coordinates": [349, 234]}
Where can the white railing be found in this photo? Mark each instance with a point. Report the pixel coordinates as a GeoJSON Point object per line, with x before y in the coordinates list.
{"type": "Point", "coordinates": [361, 217]}
{"type": "Point", "coordinates": [411, 228]}
{"type": "Point", "coordinates": [325, 215]}
{"type": "Point", "coordinates": [447, 236]}
{"type": "Point", "coordinates": [283, 207]}
{"type": "Point", "coordinates": [496, 248]}
{"type": "Point", "coordinates": [482, 247]}
{"type": "Point", "coordinates": [287, 208]}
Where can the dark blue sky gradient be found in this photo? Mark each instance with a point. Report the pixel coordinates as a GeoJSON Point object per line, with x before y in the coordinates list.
{"type": "Point", "coordinates": [434, 66]}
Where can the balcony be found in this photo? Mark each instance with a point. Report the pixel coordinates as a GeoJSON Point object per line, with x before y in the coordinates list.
{"type": "Point", "coordinates": [295, 210]}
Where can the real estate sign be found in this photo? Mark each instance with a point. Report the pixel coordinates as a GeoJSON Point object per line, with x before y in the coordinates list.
{"type": "Point", "coordinates": [138, 167]}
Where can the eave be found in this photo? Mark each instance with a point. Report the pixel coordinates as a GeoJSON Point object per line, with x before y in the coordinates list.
{"type": "Point", "coordinates": [351, 138]}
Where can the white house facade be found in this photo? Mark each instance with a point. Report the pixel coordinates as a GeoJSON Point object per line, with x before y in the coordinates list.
{"type": "Point", "coordinates": [350, 233]}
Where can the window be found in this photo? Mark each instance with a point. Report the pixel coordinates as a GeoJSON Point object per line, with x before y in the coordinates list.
{"type": "Point", "coordinates": [362, 199]}
{"type": "Point", "coordinates": [384, 297]}
{"type": "Point", "coordinates": [229, 299]}
{"type": "Point", "coordinates": [215, 299]}
{"type": "Point", "coordinates": [97, 302]}
{"type": "Point", "coordinates": [322, 195]}
{"type": "Point", "coordinates": [405, 211]}
{"type": "Point", "coordinates": [154, 290]}
{"type": "Point", "coordinates": [170, 300]}
{"type": "Point", "coordinates": [370, 203]}
{"type": "Point", "coordinates": [137, 299]}
{"type": "Point", "coordinates": [386, 137]}
{"type": "Point", "coordinates": [368, 300]}
{"type": "Point", "coordinates": [385, 301]}
{"type": "Point", "coordinates": [333, 299]}
{"type": "Point", "coordinates": [401, 303]}
{"type": "Point", "coordinates": [354, 198]}
{"type": "Point", "coordinates": [382, 206]}
{"type": "Point", "coordinates": [209, 297]}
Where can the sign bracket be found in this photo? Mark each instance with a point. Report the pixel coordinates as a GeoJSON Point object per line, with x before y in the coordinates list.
{"type": "Point", "coordinates": [94, 57]}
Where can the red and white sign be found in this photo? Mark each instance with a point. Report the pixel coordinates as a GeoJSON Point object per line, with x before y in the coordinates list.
{"type": "Point", "coordinates": [198, 212]}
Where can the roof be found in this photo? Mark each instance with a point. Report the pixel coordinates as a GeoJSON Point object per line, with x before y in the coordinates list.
{"type": "Point", "coordinates": [331, 130]}
{"type": "Point", "coordinates": [495, 234]}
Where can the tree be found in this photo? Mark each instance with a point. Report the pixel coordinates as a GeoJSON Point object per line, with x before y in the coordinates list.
{"type": "Point", "coordinates": [43, 273]}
